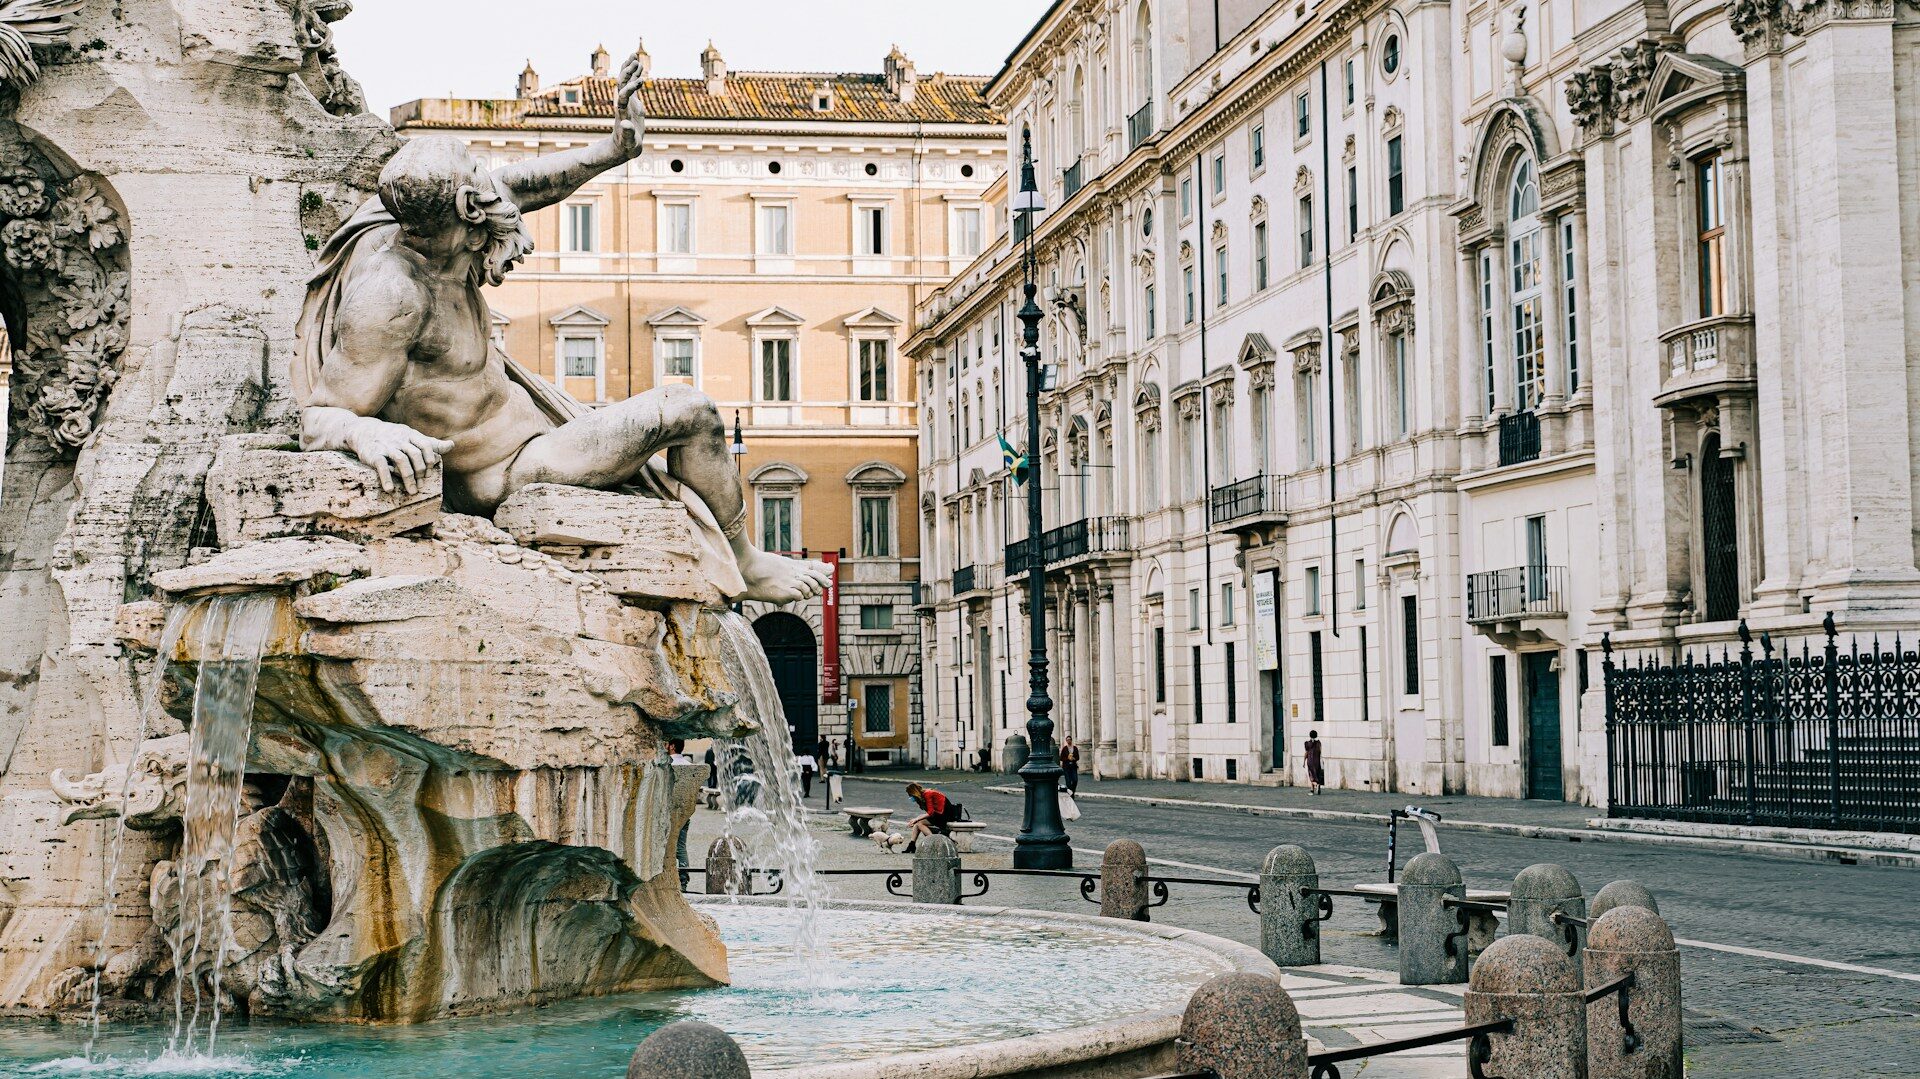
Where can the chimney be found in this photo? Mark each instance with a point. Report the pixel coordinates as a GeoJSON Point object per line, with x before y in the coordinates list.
{"type": "Point", "coordinates": [601, 62]}
{"type": "Point", "coordinates": [529, 82]}
{"type": "Point", "coordinates": [646, 61]}
{"type": "Point", "coordinates": [715, 70]}
{"type": "Point", "coordinates": [902, 79]}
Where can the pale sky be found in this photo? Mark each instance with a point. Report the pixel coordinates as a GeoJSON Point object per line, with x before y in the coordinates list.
{"type": "Point", "coordinates": [405, 49]}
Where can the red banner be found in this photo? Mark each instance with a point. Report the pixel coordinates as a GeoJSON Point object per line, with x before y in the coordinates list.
{"type": "Point", "coordinates": [830, 632]}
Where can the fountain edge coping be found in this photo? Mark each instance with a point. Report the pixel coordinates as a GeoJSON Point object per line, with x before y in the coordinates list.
{"type": "Point", "coordinates": [1095, 1049]}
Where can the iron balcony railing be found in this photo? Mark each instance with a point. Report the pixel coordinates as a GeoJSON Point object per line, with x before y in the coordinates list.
{"type": "Point", "coordinates": [1254, 497]}
{"type": "Point", "coordinates": [1140, 125]}
{"type": "Point", "coordinates": [1768, 734]}
{"type": "Point", "coordinates": [1502, 595]}
{"type": "Point", "coordinates": [1070, 179]}
{"type": "Point", "coordinates": [1519, 438]}
{"type": "Point", "coordinates": [1087, 536]}
{"type": "Point", "coordinates": [963, 580]}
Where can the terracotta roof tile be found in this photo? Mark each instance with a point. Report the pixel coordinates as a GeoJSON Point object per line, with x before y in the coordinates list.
{"type": "Point", "coordinates": [857, 98]}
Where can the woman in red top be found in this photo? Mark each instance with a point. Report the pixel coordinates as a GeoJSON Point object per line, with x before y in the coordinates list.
{"type": "Point", "coordinates": [940, 812]}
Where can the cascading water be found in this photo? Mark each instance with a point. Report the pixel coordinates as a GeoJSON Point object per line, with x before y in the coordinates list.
{"type": "Point", "coordinates": [760, 781]}
{"type": "Point", "coordinates": [149, 703]}
{"type": "Point", "coordinates": [229, 639]}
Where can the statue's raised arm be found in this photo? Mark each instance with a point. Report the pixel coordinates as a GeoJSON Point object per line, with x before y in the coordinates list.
{"type": "Point", "coordinates": [542, 181]}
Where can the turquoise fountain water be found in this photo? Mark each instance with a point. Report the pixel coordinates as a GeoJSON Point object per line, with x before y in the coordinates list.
{"type": "Point", "coordinates": [891, 982]}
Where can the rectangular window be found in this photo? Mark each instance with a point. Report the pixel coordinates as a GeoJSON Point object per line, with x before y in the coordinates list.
{"type": "Point", "coordinates": [1569, 271]}
{"type": "Point", "coordinates": [1410, 638]}
{"type": "Point", "coordinates": [1402, 396]}
{"type": "Point", "coordinates": [1160, 664]}
{"type": "Point", "coordinates": [1193, 609]}
{"type": "Point", "coordinates": [873, 230]}
{"type": "Point", "coordinates": [1359, 584]}
{"type": "Point", "coordinates": [580, 227]}
{"type": "Point", "coordinates": [1199, 768]}
{"type": "Point", "coordinates": [1313, 590]}
{"type": "Point", "coordinates": [1353, 203]}
{"type": "Point", "coordinates": [1309, 425]}
{"type": "Point", "coordinates": [1233, 693]}
{"type": "Point", "coordinates": [1396, 181]}
{"type": "Point", "coordinates": [582, 356]}
{"type": "Point", "coordinates": [876, 527]}
{"type": "Point", "coordinates": [776, 369]}
{"type": "Point", "coordinates": [1366, 694]}
{"type": "Point", "coordinates": [969, 235]}
{"type": "Point", "coordinates": [1302, 115]}
{"type": "Point", "coordinates": [1346, 79]}
{"type": "Point", "coordinates": [676, 357]}
{"type": "Point", "coordinates": [874, 365]}
{"type": "Point", "coordinates": [1350, 397]}
{"type": "Point", "coordinates": [1198, 715]}
{"type": "Point", "coordinates": [1712, 236]}
{"type": "Point", "coordinates": [1153, 314]}
{"type": "Point", "coordinates": [1186, 282]}
{"type": "Point", "coordinates": [1226, 604]}
{"type": "Point", "coordinates": [1186, 197]}
{"type": "Point", "coordinates": [877, 703]}
{"type": "Point", "coordinates": [1306, 230]}
{"type": "Point", "coordinates": [1218, 167]}
{"type": "Point", "coordinates": [1486, 323]}
{"type": "Point", "coordinates": [1259, 256]}
{"type": "Point", "coordinates": [1317, 666]}
{"type": "Point", "coordinates": [1497, 697]}
{"type": "Point", "coordinates": [876, 617]}
{"type": "Point", "coordinates": [1257, 146]}
{"type": "Point", "coordinates": [776, 524]}
{"type": "Point", "coordinates": [1233, 770]}
{"type": "Point", "coordinates": [677, 230]}
{"type": "Point", "coordinates": [776, 230]}
{"type": "Point", "coordinates": [1536, 584]}
{"type": "Point", "coordinates": [1220, 275]}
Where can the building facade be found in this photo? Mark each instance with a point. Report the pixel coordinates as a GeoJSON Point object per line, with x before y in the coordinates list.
{"type": "Point", "coordinates": [1401, 352]}
{"type": "Point", "coordinates": [768, 246]}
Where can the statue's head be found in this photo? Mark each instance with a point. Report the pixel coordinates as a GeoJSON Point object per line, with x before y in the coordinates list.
{"type": "Point", "coordinates": [447, 202]}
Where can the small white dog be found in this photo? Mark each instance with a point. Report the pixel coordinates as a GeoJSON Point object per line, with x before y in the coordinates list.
{"type": "Point", "coordinates": [890, 842]}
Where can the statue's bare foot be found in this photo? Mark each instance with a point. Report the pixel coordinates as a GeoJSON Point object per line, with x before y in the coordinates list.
{"type": "Point", "coordinates": [776, 578]}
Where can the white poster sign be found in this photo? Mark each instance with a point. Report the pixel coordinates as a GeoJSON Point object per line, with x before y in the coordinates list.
{"type": "Point", "coordinates": [1266, 620]}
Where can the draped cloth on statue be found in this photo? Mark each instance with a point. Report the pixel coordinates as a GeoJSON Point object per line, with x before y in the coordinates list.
{"type": "Point", "coordinates": [319, 340]}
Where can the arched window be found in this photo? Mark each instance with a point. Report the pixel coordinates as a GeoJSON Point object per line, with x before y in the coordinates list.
{"type": "Point", "coordinates": [1526, 244]}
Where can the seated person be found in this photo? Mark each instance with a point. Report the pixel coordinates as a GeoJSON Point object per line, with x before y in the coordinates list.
{"type": "Point", "coordinates": [940, 812]}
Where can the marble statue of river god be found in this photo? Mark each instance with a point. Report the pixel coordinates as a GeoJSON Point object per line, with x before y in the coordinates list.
{"type": "Point", "coordinates": [396, 366]}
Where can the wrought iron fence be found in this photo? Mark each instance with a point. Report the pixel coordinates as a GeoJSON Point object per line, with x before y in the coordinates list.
{"type": "Point", "coordinates": [1071, 179]}
{"type": "Point", "coordinates": [1815, 736]}
{"type": "Point", "coordinates": [1245, 498]}
{"type": "Point", "coordinates": [1140, 125]}
{"type": "Point", "coordinates": [1519, 438]}
{"type": "Point", "coordinates": [1089, 535]}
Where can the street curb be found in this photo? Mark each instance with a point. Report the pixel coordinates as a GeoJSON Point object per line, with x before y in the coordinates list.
{"type": "Point", "coordinates": [1833, 855]}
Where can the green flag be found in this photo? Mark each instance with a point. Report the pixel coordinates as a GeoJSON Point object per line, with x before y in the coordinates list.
{"type": "Point", "coordinates": [1013, 462]}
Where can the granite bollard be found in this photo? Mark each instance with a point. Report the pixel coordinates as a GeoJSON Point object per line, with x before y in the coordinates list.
{"type": "Point", "coordinates": [727, 869]}
{"type": "Point", "coordinates": [1123, 881]}
{"type": "Point", "coordinates": [688, 1050]}
{"type": "Point", "coordinates": [1290, 907]}
{"type": "Point", "coordinates": [936, 871]}
{"type": "Point", "coordinates": [1621, 893]}
{"type": "Point", "coordinates": [1433, 934]}
{"type": "Point", "coordinates": [1531, 981]}
{"type": "Point", "coordinates": [1242, 1026]}
{"type": "Point", "coordinates": [1541, 891]}
{"type": "Point", "coordinates": [1634, 940]}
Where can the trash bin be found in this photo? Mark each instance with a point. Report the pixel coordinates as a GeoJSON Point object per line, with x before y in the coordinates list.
{"type": "Point", "coordinates": [1014, 752]}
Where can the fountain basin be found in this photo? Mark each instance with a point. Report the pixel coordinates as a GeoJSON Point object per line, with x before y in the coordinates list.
{"type": "Point", "coordinates": [904, 990]}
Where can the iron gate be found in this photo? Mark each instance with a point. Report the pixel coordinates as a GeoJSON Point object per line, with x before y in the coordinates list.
{"type": "Point", "coordinates": [1811, 737]}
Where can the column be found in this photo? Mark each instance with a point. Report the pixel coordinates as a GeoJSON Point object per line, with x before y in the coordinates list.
{"type": "Point", "coordinates": [1107, 725]}
{"type": "Point", "coordinates": [1083, 717]}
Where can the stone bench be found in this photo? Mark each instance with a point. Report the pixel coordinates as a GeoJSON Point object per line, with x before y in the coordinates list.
{"type": "Point", "coordinates": [861, 819]}
{"type": "Point", "coordinates": [1482, 925]}
{"type": "Point", "coordinates": [963, 832]}
{"type": "Point", "coordinates": [710, 797]}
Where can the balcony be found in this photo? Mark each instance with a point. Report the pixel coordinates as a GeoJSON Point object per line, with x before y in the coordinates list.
{"type": "Point", "coordinates": [1707, 356]}
{"type": "Point", "coordinates": [1518, 605]}
{"type": "Point", "coordinates": [1140, 125]}
{"type": "Point", "coordinates": [963, 580]}
{"type": "Point", "coordinates": [1519, 438]}
{"type": "Point", "coordinates": [1022, 225]}
{"type": "Point", "coordinates": [1249, 504]}
{"type": "Point", "coordinates": [1085, 537]}
{"type": "Point", "coordinates": [1071, 180]}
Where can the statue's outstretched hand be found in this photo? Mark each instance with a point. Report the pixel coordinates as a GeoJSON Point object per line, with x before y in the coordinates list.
{"type": "Point", "coordinates": [392, 449]}
{"type": "Point", "coordinates": [630, 113]}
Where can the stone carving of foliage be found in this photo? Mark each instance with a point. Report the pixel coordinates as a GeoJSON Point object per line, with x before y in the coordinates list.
{"type": "Point", "coordinates": [25, 24]}
{"type": "Point", "coordinates": [64, 246]}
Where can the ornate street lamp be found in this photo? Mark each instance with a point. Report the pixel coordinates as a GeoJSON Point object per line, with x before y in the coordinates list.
{"type": "Point", "coordinates": [1042, 843]}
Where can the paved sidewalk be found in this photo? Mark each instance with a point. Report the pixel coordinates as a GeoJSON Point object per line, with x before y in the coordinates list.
{"type": "Point", "coordinates": [1511, 816]}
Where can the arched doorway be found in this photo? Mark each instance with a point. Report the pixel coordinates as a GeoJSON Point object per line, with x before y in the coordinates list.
{"type": "Point", "coordinates": [788, 642]}
{"type": "Point", "coordinates": [1719, 532]}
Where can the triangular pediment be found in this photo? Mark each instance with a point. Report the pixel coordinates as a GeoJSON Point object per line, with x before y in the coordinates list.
{"type": "Point", "coordinates": [495, 318]}
{"type": "Point", "coordinates": [1255, 349]}
{"type": "Point", "coordinates": [675, 316]}
{"type": "Point", "coordinates": [776, 316]}
{"type": "Point", "coordinates": [875, 318]}
{"type": "Point", "coordinates": [1682, 79]}
{"type": "Point", "coordinates": [580, 315]}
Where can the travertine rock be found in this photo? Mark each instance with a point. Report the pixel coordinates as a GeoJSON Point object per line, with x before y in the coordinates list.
{"type": "Point", "coordinates": [275, 563]}
{"type": "Point", "coordinates": [641, 547]}
{"type": "Point", "coordinates": [263, 486]}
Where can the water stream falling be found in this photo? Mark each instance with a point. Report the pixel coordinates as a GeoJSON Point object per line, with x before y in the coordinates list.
{"type": "Point", "coordinates": [760, 783]}
{"type": "Point", "coordinates": [229, 639]}
{"type": "Point", "coordinates": [147, 705]}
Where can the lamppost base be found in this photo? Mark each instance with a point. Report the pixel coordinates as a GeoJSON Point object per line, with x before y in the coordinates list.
{"type": "Point", "coordinates": [1042, 842]}
{"type": "Point", "coordinates": [1043, 855]}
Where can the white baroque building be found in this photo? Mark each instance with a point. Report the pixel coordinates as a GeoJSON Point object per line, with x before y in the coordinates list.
{"type": "Point", "coordinates": [1402, 350]}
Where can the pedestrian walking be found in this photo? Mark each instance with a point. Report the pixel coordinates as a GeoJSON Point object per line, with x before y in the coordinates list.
{"type": "Point", "coordinates": [677, 754]}
{"type": "Point", "coordinates": [1316, 774]}
{"type": "Point", "coordinates": [823, 752]}
{"type": "Point", "coordinates": [1070, 765]}
{"type": "Point", "coordinates": [713, 770]}
{"type": "Point", "coordinates": [807, 768]}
